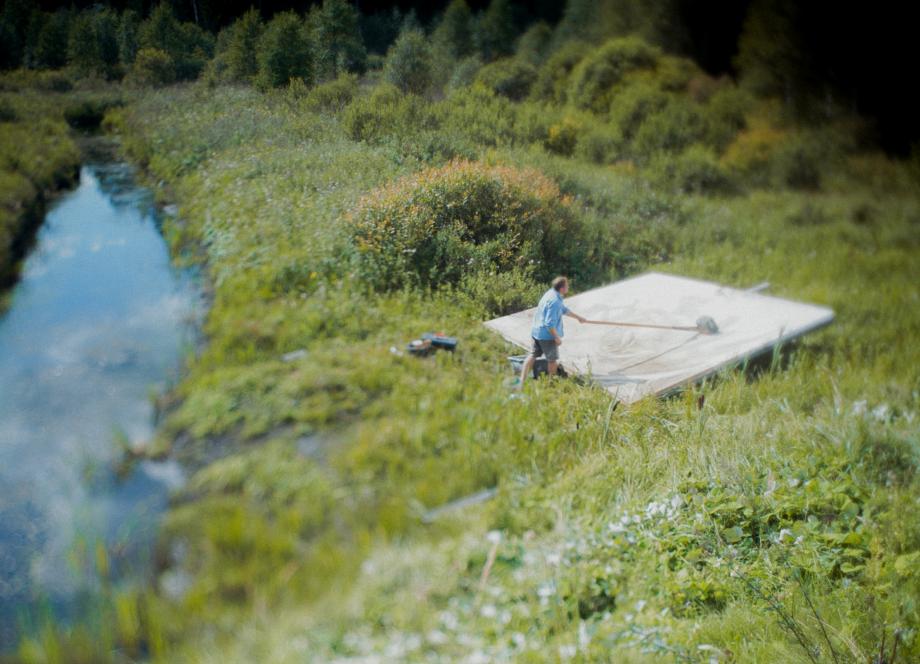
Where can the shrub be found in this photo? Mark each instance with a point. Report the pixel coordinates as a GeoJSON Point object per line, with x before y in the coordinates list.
{"type": "Point", "coordinates": [725, 115]}
{"type": "Point", "coordinates": [88, 113]}
{"type": "Point", "coordinates": [445, 224]}
{"type": "Point", "coordinates": [633, 105]}
{"type": "Point", "coordinates": [600, 144]}
{"type": "Point", "coordinates": [800, 160]}
{"type": "Point", "coordinates": [479, 114]}
{"type": "Point", "coordinates": [386, 112]}
{"type": "Point", "coordinates": [553, 77]}
{"type": "Point", "coordinates": [152, 67]}
{"type": "Point", "coordinates": [670, 129]}
{"type": "Point", "coordinates": [496, 30]}
{"type": "Point", "coordinates": [464, 72]}
{"type": "Point", "coordinates": [284, 52]}
{"type": "Point", "coordinates": [533, 45]}
{"type": "Point", "coordinates": [593, 79]}
{"type": "Point", "coordinates": [333, 96]}
{"type": "Point", "coordinates": [408, 64]}
{"type": "Point", "coordinates": [562, 137]}
{"type": "Point", "coordinates": [509, 77]}
{"type": "Point", "coordinates": [500, 293]}
{"type": "Point", "coordinates": [695, 171]}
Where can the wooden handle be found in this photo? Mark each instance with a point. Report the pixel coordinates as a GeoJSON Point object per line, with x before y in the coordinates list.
{"type": "Point", "coordinates": [649, 325]}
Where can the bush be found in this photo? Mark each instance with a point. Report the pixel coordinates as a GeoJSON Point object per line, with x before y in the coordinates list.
{"type": "Point", "coordinates": [510, 77]}
{"type": "Point", "coordinates": [445, 224]}
{"type": "Point", "coordinates": [670, 129]}
{"type": "Point", "coordinates": [633, 105]}
{"type": "Point", "coordinates": [384, 113]}
{"type": "Point", "coordinates": [553, 77]}
{"type": "Point", "coordinates": [601, 145]}
{"type": "Point", "coordinates": [479, 114]}
{"type": "Point", "coordinates": [725, 115]}
{"type": "Point", "coordinates": [284, 52]}
{"type": "Point", "coordinates": [562, 137]}
{"type": "Point", "coordinates": [152, 67]}
{"type": "Point", "coordinates": [500, 293]}
{"type": "Point", "coordinates": [408, 65]}
{"type": "Point", "coordinates": [593, 79]}
{"type": "Point", "coordinates": [695, 171]}
{"type": "Point", "coordinates": [533, 45]}
{"type": "Point", "coordinates": [332, 96]}
{"type": "Point", "coordinates": [800, 160]}
{"type": "Point", "coordinates": [465, 72]}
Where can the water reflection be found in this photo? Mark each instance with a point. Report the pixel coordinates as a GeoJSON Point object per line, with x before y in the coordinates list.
{"type": "Point", "coordinates": [99, 320]}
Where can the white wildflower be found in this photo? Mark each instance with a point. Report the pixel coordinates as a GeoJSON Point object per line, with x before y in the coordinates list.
{"type": "Point", "coordinates": [567, 652]}
{"type": "Point", "coordinates": [488, 611]}
{"type": "Point", "coordinates": [494, 536]}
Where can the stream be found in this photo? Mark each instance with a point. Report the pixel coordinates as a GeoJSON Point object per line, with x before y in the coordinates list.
{"type": "Point", "coordinates": [98, 324]}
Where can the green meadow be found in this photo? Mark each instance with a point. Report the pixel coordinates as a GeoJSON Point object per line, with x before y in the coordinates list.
{"type": "Point", "coordinates": [765, 515]}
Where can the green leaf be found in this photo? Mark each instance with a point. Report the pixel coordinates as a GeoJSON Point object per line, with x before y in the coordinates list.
{"type": "Point", "coordinates": [733, 535]}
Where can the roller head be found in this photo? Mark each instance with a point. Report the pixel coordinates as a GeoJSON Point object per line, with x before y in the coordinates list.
{"type": "Point", "coordinates": [707, 325]}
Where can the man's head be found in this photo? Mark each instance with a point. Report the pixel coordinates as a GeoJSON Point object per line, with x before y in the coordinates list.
{"type": "Point", "coordinates": [561, 284]}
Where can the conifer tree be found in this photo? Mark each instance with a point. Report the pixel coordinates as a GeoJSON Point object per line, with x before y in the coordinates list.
{"type": "Point", "coordinates": [496, 30]}
{"type": "Point", "coordinates": [284, 52]}
{"type": "Point", "coordinates": [408, 64]}
{"type": "Point", "coordinates": [337, 37]}
{"type": "Point", "coordinates": [453, 37]}
{"type": "Point", "coordinates": [242, 47]}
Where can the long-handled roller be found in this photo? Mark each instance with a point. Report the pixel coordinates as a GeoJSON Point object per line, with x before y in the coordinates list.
{"type": "Point", "coordinates": [704, 325]}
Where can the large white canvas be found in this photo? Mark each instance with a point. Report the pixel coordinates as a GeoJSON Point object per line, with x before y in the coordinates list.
{"type": "Point", "coordinates": [633, 363]}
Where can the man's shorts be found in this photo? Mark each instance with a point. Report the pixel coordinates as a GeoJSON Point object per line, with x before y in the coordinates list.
{"type": "Point", "coordinates": [545, 347]}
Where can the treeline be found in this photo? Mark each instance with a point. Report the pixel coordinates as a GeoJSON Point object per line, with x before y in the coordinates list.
{"type": "Point", "coordinates": [801, 53]}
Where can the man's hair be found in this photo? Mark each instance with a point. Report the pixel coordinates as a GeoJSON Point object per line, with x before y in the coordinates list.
{"type": "Point", "coordinates": [560, 282]}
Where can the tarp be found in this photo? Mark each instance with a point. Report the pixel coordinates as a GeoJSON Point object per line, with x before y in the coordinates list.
{"type": "Point", "coordinates": [634, 363]}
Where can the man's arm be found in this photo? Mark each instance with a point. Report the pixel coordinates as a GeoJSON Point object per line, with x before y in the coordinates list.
{"type": "Point", "coordinates": [556, 337]}
{"type": "Point", "coordinates": [572, 314]}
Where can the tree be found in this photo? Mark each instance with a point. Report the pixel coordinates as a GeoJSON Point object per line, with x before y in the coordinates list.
{"type": "Point", "coordinates": [51, 49]}
{"type": "Point", "coordinates": [187, 45]}
{"type": "Point", "coordinates": [337, 36]}
{"type": "Point", "coordinates": [771, 56]}
{"type": "Point", "coordinates": [93, 47]}
{"type": "Point", "coordinates": [284, 52]}
{"type": "Point", "coordinates": [656, 21]}
{"type": "Point", "coordinates": [128, 37]}
{"type": "Point", "coordinates": [533, 45]}
{"type": "Point", "coordinates": [153, 67]}
{"type": "Point", "coordinates": [14, 24]}
{"type": "Point", "coordinates": [408, 63]}
{"type": "Point", "coordinates": [453, 37]}
{"type": "Point", "coordinates": [242, 46]}
{"type": "Point", "coordinates": [497, 30]}
{"type": "Point", "coordinates": [380, 30]}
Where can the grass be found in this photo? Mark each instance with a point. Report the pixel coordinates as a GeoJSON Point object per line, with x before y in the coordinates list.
{"type": "Point", "coordinates": [38, 154]}
{"type": "Point", "coordinates": [772, 523]}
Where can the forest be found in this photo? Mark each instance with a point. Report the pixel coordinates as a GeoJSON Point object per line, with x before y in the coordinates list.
{"type": "Point", "coordinates": [349, 175]}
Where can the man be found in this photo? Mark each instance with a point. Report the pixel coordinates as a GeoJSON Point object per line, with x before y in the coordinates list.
{"type": "Point", "coordinates": [547, 329]}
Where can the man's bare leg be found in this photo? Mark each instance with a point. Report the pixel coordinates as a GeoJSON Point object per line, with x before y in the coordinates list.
{"type": "Point", "coordinates": [551, 367]}
{"type": "Point", "coordinates": [527, 368]}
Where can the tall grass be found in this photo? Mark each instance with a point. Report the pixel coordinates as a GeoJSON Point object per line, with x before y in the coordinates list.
{"type": "Point", "coordinates": [689, 528]}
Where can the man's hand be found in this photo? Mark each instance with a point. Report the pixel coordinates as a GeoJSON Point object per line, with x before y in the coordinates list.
{"type": "Point", "coordinates": [581, 319]}
{"type": "Point", "coordinates": [558, 341]}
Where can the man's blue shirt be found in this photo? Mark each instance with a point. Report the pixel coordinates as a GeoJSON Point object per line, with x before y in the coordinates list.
{"type": "Point", "coordinates": [548, 314]}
